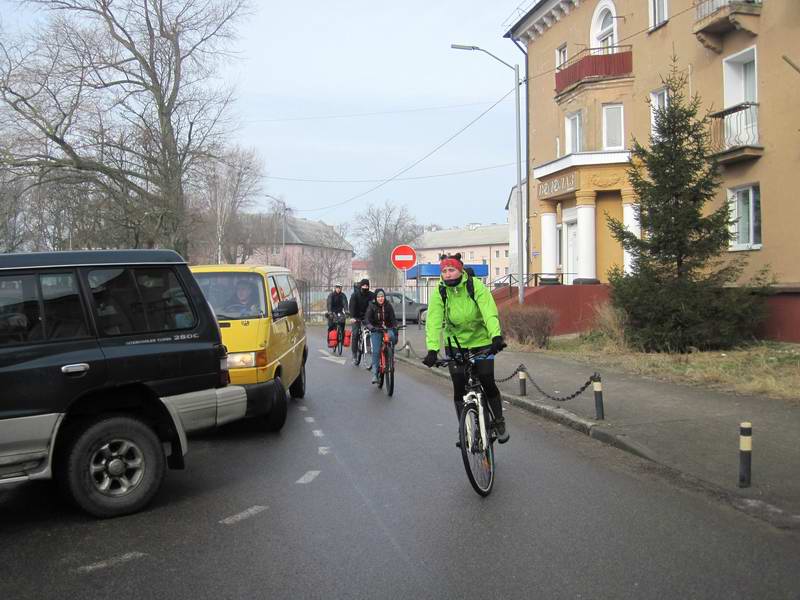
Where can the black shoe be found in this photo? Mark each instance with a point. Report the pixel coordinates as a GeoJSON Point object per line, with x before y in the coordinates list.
{"type": "Point", "coordinates": [500, 430]}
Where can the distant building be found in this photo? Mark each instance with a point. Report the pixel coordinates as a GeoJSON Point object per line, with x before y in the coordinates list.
{"type": "Point", "coordinates": [360, 270]}
{"type": "Point", "coordinates": [315, 253]}
{"type": "Point", "coordinates": [478, 244]}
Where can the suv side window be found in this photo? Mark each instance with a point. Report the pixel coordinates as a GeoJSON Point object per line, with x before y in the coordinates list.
{"type": "Point", "coordinates": [141, 300]}
{"type": "Point", "coordinates": [20, 311]}
{"type": "Point", "coordinates": [166, 306]}
{"type": "Point", "coordinates": [64, 318]}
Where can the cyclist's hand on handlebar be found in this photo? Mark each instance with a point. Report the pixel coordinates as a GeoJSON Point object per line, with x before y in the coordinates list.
{"type": "Point", "coordinates": [498, 344]}
{"type": "Point", "coordinates": [430, 359]}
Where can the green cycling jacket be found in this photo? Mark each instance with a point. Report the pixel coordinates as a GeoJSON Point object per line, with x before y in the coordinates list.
{"type": "Point", "coordinates": [474, 323]}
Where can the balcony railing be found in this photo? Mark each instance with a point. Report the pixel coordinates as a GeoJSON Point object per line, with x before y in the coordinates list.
{"type": "Point", "coordinates": [706, 8]}
{"type": "Point", "coordinates": [595, 63]}
{"type": "Point", "coordinates": [736, 128]}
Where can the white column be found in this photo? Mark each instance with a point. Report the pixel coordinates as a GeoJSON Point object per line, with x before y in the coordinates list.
{"type": "Point", "coordinates": [631, 223]}
{"type": "Point", "coordinates": [549, 242]}
{"type": "Point", "coordinates": [587, 236]}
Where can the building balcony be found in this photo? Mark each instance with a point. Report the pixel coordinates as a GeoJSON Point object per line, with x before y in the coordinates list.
{"type": "Point", "coordinates": [715, 18]}
{"type": "Point", "coordinates": [734, 133]}
{"type": "Point", "coordinates": [594, 64]}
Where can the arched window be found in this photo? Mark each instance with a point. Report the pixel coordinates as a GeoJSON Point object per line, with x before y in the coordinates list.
{"type": "Point", "coordinates": [604, 27]}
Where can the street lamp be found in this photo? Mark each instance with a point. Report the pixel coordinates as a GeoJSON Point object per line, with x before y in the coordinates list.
{"type": "Point", "coordinates": [520, 214]}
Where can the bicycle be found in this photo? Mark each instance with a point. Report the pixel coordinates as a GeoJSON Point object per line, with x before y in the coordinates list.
{"type": "Point", "coordinates": [476, 439]}
{"type": "Point", "coordinates": [339, 321]}
{"type": "Point", "coordinates": [361, 345]}
{"type": "Point", "coordinates": [386, 367]}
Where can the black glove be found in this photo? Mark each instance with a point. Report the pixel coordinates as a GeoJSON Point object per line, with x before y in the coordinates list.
{"type": "Point", "coordinates": [498, 344]}
{"type": "Point", "coordinates": [430, 359]}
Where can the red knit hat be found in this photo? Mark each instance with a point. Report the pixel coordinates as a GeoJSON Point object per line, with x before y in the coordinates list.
{"type": "Point", "coordinates": [451, 261]}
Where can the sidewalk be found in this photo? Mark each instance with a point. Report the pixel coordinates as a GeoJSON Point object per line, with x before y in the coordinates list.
{"type": "Point", "coordinates": [689, 429]}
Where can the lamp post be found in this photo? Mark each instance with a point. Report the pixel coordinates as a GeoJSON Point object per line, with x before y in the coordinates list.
{"type": "Point", "coordinates": [521, 255]}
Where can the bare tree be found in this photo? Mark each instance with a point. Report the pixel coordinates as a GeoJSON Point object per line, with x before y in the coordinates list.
{"type": "Point", "coordinates": [229, 185]}
{"type": "Point", "coordinates": [118, 94]}
{"type": "Point", "coordinates": [380, 229]}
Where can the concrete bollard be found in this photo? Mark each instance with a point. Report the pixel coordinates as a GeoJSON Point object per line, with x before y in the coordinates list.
{"type": "Point", "coordinates": [523, 387]}
{"type": "Point", "coordinates": [745, 453]}
{"type": "Point", "coordinates": [599, 409]}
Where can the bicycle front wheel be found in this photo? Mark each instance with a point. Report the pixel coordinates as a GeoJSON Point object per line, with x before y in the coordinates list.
{"type": "Point", "coordinates": [477, 453]}
{"type": "Point", "coordinates": [389, 372]}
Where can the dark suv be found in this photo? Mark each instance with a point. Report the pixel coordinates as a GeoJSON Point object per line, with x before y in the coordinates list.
{"type": "Point", "coordinates": [107, 359]}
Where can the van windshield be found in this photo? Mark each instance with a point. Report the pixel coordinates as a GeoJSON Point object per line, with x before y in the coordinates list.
{"type": "Point", "coordinates": [234, 295]}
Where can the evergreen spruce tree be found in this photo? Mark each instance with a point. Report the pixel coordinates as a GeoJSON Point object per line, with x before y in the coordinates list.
{"type": "Point", "coordinates": [681, 291]}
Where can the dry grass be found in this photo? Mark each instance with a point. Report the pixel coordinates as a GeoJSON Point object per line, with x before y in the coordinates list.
{"type": "Point", "coordinates": [768, 368]}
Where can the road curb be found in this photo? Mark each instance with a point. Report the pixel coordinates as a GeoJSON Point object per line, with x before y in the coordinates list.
{"type": "Point", "coordinates": [560, 415]}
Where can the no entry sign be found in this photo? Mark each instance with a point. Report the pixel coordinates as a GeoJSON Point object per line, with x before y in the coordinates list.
{"type": "Point", "coordinates": [403, 257]}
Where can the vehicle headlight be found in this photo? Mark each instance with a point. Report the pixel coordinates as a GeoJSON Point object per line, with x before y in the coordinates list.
{"type": "Point", "coordinates": [241, 360]}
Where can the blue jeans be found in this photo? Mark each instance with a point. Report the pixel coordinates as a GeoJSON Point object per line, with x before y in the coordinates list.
{"type": "Point", "coordinates": [376, 337]}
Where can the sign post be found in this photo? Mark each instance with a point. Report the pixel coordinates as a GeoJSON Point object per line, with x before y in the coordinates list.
{"type": "Point", "coordinates": [403, 258]}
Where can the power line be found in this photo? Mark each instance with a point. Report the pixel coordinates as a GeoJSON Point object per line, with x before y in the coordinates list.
{"type": "Point", "coordinates": [416, 162]}
{"type": "Point", "coordinates": [478, 170]}
{"type": "Point", "coordinates": [365, 114]}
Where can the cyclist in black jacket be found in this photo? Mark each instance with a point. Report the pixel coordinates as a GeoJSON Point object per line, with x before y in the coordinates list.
{"type": "Point", "coordinates": [359, 302]}
{"type": "Point", "coordinates": [337, 303]}
{"type": "Point", "coordinates": [380, 315]}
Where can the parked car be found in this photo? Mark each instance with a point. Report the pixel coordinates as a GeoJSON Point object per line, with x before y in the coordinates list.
{"type": "Point", "coordinates": [263, 329]}
{"type": "Point", "coordinates": [107, 360]}
{"type": "Point", "coordinates": [415, 311]}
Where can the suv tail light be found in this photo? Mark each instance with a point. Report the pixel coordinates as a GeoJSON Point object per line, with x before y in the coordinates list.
{"type": "Point", "coordinates": [224, 374]}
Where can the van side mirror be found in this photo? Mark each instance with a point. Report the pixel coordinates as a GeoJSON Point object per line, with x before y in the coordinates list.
{"type": "Point", "coordinates": [285, 308]}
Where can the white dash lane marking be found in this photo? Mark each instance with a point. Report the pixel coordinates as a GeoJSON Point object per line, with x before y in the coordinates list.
{"type": "Point", "coordinates": [111, 562]}
{"type": "Point", "coordinates": [302, 408]}
{"type": "Point", "coordinates": [323, 450]}
{"type": "Point", "coordinates": [308, 477]}
{"type": "Point", "coordinates": [334, 359]}
{"type": "Point", "coordinates": [318, 433]}
{"type": "Point", "coordinates": [245, 514]}
{"type": "Point", "coordinates": [309, 419]}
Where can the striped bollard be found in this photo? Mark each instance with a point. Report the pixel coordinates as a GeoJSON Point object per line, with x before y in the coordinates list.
{"type": "Point", "coordinates": [745, 453]}
{"type": "Point", "coordinates": [599, 409]}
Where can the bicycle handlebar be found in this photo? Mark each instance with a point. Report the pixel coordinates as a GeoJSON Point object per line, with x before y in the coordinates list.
{"type": "Point", "coordinates": [460, 358]}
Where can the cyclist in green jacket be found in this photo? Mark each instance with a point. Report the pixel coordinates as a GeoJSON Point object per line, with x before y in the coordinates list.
{"type": "Point", "coordinates": [465, 309]}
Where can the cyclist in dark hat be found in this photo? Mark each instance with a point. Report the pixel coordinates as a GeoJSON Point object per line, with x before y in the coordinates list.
{"type": "Point", "coordinates": [359, 302]}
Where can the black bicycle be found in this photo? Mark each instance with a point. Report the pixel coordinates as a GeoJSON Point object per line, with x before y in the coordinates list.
{"type": "Point", "coordinates": [475, 435]}
{"type": "Point", "coordinates": [339, 321]}
{"type": "Point", "coordinates": [361, 344]}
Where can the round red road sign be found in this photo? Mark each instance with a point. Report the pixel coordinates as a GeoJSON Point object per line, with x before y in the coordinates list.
{"type": "Point", "coordinates": [403, 257]}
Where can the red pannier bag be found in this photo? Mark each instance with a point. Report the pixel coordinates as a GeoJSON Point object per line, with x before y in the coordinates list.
{"type": "Point", "coordinates": [333, 338]}
{"type": "Point", "coordinates": [347, 335]}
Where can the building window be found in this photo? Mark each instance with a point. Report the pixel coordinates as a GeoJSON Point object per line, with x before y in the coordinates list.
{"type": "Point", "coordinates": [658, 12]}
{"type": "Point", "coordinates": [740, 76]}
{"type": "Point", "coordinates": [471, 255]}
{"type": "Point", "coordinates": [745, 204]}
{"type": "Point", "coordinates": [506, 273]}
{"type": "Point", "coordinates": [483, 260]}
{"type": "Point", "coordinates": [572, 132]}
{"type": "Point", "coordinates": [613, 134]}
{"type": "Point", "coordinates": [561, 56]}
{"type": "Point", "coordinates": [497, 270]}
{"type": "Point", "coordinates": [497, 253]}
{"type": "Point", "coordinates": [658, 102]}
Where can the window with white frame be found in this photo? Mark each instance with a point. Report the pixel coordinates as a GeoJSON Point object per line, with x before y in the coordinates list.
{"type": "Point", "coordinates": [745, 206]}
{"type": "Point", "coordinates": [613, 129]}
{"type": "Point", "coordinates": [658, 102]}
{"type": "Point", "coordinates": [605, 36]}
{"type": "Point", "coordinates": [572, 133]}
{"type": "Point", "coordinates": [740, 77]}
{"type": "Point", "coordinates": [561, 56]}
{"type": "Point", "coordinates": [658, 12]}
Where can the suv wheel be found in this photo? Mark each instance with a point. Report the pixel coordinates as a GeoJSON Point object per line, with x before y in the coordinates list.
{"type": "Point", "coordinates": [112, 466]}
{"type": "Point", "coordinates": [423, 316]}
{"type": "Point", "coordinates": [298, 387]}
{"type": "Point", "coordinates": [276, 417]}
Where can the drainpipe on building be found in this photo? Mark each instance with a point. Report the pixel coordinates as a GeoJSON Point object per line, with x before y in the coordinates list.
{"type": "Point", "coordinates": [526, 195]}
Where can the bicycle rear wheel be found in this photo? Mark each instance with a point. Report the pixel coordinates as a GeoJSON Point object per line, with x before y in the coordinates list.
{"type": "Point", "coordinates": [478, 454]}
{"type": "Point", "coordinates": [389, 372]}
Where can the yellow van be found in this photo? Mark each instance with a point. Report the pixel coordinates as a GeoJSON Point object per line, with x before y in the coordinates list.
{"type": "Point", "coordinates": [262, 326]}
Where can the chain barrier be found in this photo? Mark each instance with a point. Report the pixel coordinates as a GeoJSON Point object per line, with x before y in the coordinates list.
{"type": "Point", "coordinates": [523, 369]}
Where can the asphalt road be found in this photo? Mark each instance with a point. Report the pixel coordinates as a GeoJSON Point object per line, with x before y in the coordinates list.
{"type": "Point", "coordinates": [363, 496]}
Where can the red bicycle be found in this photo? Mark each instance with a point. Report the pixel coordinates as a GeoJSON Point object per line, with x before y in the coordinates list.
{"type": "Point", "coordinates": [386, 365]}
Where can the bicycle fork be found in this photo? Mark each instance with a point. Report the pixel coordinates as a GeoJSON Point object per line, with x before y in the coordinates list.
{"type": "Point", "coordinates": [475, 398]}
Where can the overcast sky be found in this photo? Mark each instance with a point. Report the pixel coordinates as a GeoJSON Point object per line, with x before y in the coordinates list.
{"type": "Point", "coordinates": [312, 59]}
{"type": "Point", "coordinates": [303, 60]}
